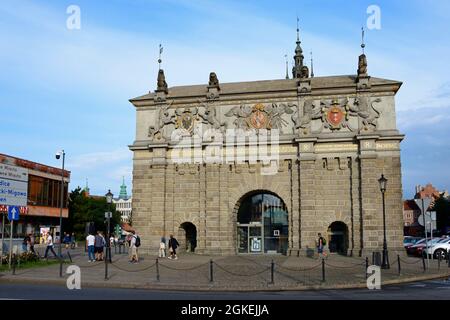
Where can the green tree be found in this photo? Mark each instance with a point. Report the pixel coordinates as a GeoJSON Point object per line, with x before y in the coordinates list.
{"type": "Point", "coordinates": [442, 208]}
{"type": "Point", "coordinates": [89, 209]}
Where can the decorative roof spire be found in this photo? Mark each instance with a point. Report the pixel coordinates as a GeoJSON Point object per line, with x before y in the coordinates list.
{"type": "Point", "coordinates": [123, 190]}
{"type": "Point", "coordinates": [86, 189]}
{"type": "Point", "coordinates": [287, 72]}
{"type": "Point", "coordinates": [363, 45]}
{"type": "Point", "coordinates": [362, 61]}
{"type": "Point", "coordinates": [298, 57]}
{"type": "Point", "coordinates": [161, 85]}
{"type": "Point", "coordinates": [312, 65]}
{"type": "Point", "coordinates": [159, 59]}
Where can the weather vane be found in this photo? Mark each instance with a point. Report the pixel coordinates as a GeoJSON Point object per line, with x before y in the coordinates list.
{"type": "Point", "coordinates": [287, 73]}
{"type": "Point", "coordinates": [159, 59]}
{"type": "Point", "coordinates": [363, 45]}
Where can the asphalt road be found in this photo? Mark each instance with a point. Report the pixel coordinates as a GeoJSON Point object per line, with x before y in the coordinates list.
{"type": "Point", "coordinates": [428, 290]}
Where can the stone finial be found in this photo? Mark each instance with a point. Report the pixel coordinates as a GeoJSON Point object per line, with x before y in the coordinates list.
{"type": "Point", "coordinates": [213, 80]}
{"type": "Point", "coordinates": [362, 66]}
{"type": "Point", "coordinates": [161, 83]}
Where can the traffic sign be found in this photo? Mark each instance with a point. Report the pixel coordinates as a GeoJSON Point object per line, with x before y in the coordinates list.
{"type": "Point", "coordinates": [13, 213]}
{"type": "Point", "coordinates": [425, 202]}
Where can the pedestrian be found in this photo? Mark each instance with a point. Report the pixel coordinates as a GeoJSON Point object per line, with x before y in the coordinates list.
{"type": "Point", "coordinates": [49, 246]}
{"type": "Point", "coordinates": [321, 242]}
{"type": "Point", "coordinates": [90, 243]}
{"type": "Point", "coordinates": [162, 247]}
{"type": "Point", "coordinates": [99, 244]}
{"type": "Point", "coordinates": [31, 243]}
{"type": "Point", "coordinates": [66, 240]}
{"type": "Point", "coordinates": [173, 245]}
{"type": "Point", "coordinates": [72, 241]}
{"type": "Point", "coordinates": [25, 243]}
{"type": "Point", "coordinates": [134, 244]}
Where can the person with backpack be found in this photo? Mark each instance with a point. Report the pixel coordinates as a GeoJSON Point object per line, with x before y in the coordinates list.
{"type": "Point", "coordinates": [321, 242]}
{"type": "Point", "coordinates": [135, 242]}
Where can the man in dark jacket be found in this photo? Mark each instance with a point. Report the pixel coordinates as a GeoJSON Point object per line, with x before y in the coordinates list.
{"type": "Point", "coordinates": [173, 245]}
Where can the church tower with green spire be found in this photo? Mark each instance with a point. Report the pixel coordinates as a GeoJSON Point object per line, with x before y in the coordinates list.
{"type": "Point", "coordinates": [123, 190]}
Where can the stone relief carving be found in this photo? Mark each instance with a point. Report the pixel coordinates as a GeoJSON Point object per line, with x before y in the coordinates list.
{"type": "Point", "coordinates": [335, 114]}
{"type": "Point", "coordinates": [364, 109]}
{"type": "Point", "coordinates": [311, 111]}
{"type": "Point", "coordinates": [260, 116]}
{"type": "Point", "coordinates": [164, 118]}
{"type": "Point", "coordinates": [209, 116]}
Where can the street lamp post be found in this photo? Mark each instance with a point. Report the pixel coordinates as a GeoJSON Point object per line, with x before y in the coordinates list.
{"type": "Point", "coordinates": [385, 264]}
{"type": "Point", "coordinates": [109, 198]}
{"type": "Point", "coordinates": [58, 155]}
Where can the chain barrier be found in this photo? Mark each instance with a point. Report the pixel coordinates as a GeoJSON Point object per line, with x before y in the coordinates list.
{"type": "Point", "coordinates": [404, 261]}
{"type": "Point", "coordinates": [299, 270]}
{"type": "Point", "coordinates": [127, 270]}
{"type": "Point", "coordinates": [183, 269]}
{"type": "Point", "coordinates": [241, 275]}
{"type": "Point", "coordinates": [345, 267]}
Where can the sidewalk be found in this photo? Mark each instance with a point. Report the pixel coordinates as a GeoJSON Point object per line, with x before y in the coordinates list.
{"type": "Point", "coordinates": [230, 273]}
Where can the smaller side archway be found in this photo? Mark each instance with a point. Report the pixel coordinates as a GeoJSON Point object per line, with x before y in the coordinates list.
{"type": "Point", "coordinates": [338, 238]}
{"type": "Point", "coordinates": [187, 235]}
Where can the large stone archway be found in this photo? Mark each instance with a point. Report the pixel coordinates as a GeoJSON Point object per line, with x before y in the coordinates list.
{"type": "Point", "coordinates": [262, 223]}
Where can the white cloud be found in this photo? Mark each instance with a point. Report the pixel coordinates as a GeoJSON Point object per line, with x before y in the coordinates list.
{"type": "Point", "coordinates": [98, 159]}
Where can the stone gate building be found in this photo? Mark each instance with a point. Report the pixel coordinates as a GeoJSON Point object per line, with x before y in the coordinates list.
{"type": "Point", "coordinates": [264, 166]}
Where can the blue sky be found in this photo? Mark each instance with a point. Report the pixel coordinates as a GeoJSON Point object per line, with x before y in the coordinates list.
{"type": "Point", "coordinates": [62, 88]}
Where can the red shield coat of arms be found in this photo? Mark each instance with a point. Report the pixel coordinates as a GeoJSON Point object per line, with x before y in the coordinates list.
{"type": "Point", "coordinates": [258, 119]}
{"type": "Point", "coordinates": [335, 116]}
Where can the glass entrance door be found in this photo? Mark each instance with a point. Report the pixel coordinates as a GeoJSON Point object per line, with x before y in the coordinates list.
{"type": "Point", "coordinates": [250, 239]}
{"type": "Point", "coordinates": [255, 239]}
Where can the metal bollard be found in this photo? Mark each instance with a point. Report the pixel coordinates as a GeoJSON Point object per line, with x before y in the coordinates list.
{"type": "Point", "coordinates": [399, 266]}
{"type": "Point", "coordinates": [272, 269]}
{"type": "Point", "coordinates": [367, 266]}
{"type": "Point", "coordinates": [423, 263]}
{"type": "Point", "coordinates": [439, 262]}
{"type": "Point", "coordinates": [323, 270]}
{"type": "Point", "coordinates": [106, 265]}
{"type": "Point", "coordinates": [448, 258]}
{"type": "Point", "coordinates": [211, 275]}
{"type": "Point", "coordinates": [13, 262]}
{"type": "Point", "coordinates": [157, 269]}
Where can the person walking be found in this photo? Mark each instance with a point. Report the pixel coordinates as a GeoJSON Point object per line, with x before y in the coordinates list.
{"type": "Point", "coordinates": [31, 242]}
{"type": "Point", "coordinates": [25, 243]}
{"type": "Point", "coordinates": [173, 245]}
{"type": "Point", "coordinates": [162, 247]}
{"type": "Point", "coordinates": [90, 243]}
{"type": "Point", "coordinates": [321, 242]}
{"type": "Point", "coordinates": [50, 247]}
{"type": "Point", "coordinates": [99, 244]}
{"type": "Point", "coordinates": [134, 244]}
{"type": "Point", "coordinates": [66, 240]}
{"type": "Point", "coordinates": [72, 241]}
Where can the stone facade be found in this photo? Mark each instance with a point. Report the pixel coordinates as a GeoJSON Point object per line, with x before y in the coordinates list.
{"type": "Point", "coordinates": [335, 137]}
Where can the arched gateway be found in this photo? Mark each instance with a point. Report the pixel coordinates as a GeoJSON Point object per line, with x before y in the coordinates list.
{"type": "Point", "coordinates": [262, 224]}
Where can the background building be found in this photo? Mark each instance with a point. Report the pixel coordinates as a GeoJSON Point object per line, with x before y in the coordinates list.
{"type": "Point", "coordinates": [124, 203]}
{"type": "Point", "coordinates": [44, 196]}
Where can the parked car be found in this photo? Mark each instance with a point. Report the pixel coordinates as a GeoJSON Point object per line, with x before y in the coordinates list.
{"type": "Point", "coordinates": [420, 246]}
{"type": "Point", "coordinates": [440, 249]}
{"type": "Point", "coordinates": [409, 241]}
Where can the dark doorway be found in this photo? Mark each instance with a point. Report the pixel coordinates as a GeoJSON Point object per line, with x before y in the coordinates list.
{"type": "Point", "coordinates": [190, 236]}
{"type": "Point", "coordinates": [338, 238]}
